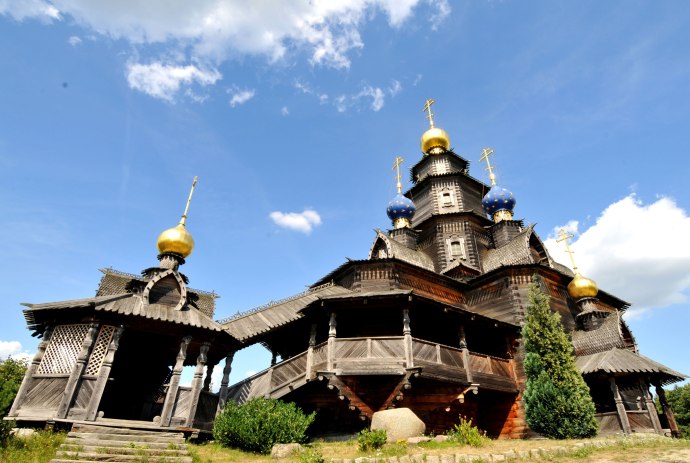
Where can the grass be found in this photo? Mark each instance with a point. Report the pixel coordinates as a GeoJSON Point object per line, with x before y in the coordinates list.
{"type": "Point", "coordinates": [39, 448]}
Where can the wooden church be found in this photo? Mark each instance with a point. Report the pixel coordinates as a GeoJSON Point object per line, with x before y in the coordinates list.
{"type": "Point", "coordinates": [430, 320]}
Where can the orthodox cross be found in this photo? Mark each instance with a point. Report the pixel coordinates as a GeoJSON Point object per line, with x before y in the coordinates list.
{"type": "Point", "coordinates": [565, 236]}
{"type": "Point", "coordinates": [396, 166]}
{"type": "Point", "coordinates": [427, 107]}
{"type": "Point", "coordinates": [486, 153]}
{"type": "Point", "coordinates": [183, 220]}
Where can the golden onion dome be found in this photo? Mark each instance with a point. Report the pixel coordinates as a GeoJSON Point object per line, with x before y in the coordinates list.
{"type": "Point", "coordinates": [435, 141]}
{"type": "Point", "coordinates": [582, 287]}
{"type": "Point", "coordinates": [176, 240]}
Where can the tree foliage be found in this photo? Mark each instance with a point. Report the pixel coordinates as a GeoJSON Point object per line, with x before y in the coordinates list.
{"type": "Point", "coordinates": [557, 399]}
{"type": "Point", "coordinates": [11, 375]}
{"type": "Point", "coordinates": [260, 423]}
{"type": "Point", "coordinates": [679, 400]}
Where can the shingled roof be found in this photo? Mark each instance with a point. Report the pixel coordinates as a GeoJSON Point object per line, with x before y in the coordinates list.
{"type": "Point", "coordinates": [124, 304]}
{"type": "Point", "coordinates": [395, 250]}
{"type": "Point", "coordinates": [515, 252]}
{"type": "Point", "coordinates": [607, 335]}
{"type": "Point", "coordinates": [622, 361]}
{"type": "Point", "coordinates": [247, 325]}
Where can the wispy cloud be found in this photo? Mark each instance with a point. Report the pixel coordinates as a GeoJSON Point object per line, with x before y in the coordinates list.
{"type": "Point", "coordinates": [13, 349]}
{"type": "Point", "coordinates": [304, 221]}
{"type": "Point", "coordinates": [240, 97]}
{"type": "Point", "coordinates": [164, 81]}
{"type": "Point", "coordinates": [639, 252]}
{"type": "Point", "coordinates": [285, 111]}
{"type": "Point", "coordinates": [74, 41]}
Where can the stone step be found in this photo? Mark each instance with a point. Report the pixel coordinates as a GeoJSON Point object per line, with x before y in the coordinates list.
{"type": "Point", "coordinates": [86, 442]}
{"type": "Point", "coordinates": [86, 456]}
{"type": "Point", "coordinates": [134, 437]}
{"type": "Point", "coordinates": [94, 428]}
{"type": "Point", "coordinates": [123, 450]}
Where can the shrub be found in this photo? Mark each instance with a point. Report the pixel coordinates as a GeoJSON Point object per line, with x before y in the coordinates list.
{"type": "Point", "coordinates": [557, 399]}
{"type": "Point", "coordinates": [11, 375]}
{"type": "Point", "coordinates": [311, 455]}
{"type": "Point", "coordinates": [465, 433]}
{"type": "Point", "coordinates": [679, 400]}
{"type": "Point", "coordinates": [371, 440]}
{"type": "Point", "coordinates": [260, 423]}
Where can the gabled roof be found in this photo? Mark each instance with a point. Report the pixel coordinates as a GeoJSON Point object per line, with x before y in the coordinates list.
{"type": "Point", "coordinates": [606, 336]}
{"type": "Point", "coordinates": [622, 361]}
{"type": "Point", "coordinates": [515, 252]}
{"type": "Point", "coordinates": [124, 304]}
{"type": "Point", "coordinates": [396, 250]}
{"type": "Point", "coordinates": [247, 325]}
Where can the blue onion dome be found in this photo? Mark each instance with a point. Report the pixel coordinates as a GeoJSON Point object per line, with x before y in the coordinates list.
{"type": "Point", "coordinates": [400, 211]}
{"type": "Point", "coordinates": [499, 203]}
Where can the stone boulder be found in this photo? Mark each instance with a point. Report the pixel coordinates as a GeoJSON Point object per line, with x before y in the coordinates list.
{"type": "Point", "coordinates": [399, 423]}
{"type": "Point", "coordinates": [280, 451]}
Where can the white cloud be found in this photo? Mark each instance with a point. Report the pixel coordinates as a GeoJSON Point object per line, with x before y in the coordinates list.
{"type": "Point", "coordinates": [340, 103]}
{"type": "Point", "coordinates": [417, 80]}
{"type": "Point", "coordinates": [639, 252]}
{"type": "Point", "coordinates": [395, 88]}
{"type": "Point", "coordinates": [24, 9]}
{"type": "Point", "coordinates": [74, 41]}
{"type": "Point", "coordinates": [376, 94]}
{"type": "Point", "coordinates": [164, 81]}
{"type": "Point", "coordinates": [284, 111]}
{"type": "Point", "coordinates": [13, 349]}
{"type": "Point", "coordinates": [240, 97]}
{"type": "Point", "coordinates": [249, 373]}
{"type": "Point", "coordinates": [298, 221]}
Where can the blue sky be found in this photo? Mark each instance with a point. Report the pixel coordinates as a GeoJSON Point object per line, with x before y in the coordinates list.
{"type": "Point", "coordinates": [109, 109]}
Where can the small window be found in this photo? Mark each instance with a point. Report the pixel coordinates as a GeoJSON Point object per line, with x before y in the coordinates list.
{"type": "Point", "coordinates": [447, 199]}
{"type": "Point", "coordinates": [456, 248]}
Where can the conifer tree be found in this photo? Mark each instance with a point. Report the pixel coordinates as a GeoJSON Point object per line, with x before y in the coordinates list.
{"type": "Point", "coordinates": [557, 399]}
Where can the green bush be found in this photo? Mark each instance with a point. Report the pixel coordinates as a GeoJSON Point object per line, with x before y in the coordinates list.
{"type": "Point", "coordinates": [557, 399]}
{"type": "Point", "coordinates": [465, 433]}
{"type": "Point", "coordinates": [260, 423]}
{"type": "Point", "coordinates": [11, 375]}
{"type": "Point", "coordinates": [679, 400]}
{"type": "Point", "coordinates": [371, 440]}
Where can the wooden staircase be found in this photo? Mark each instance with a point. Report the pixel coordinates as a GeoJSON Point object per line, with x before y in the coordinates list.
{"type": "Point", "coordinates": [88, 443]}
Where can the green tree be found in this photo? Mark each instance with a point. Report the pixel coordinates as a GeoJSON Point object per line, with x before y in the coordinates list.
{"type": "Point", "coordinates": [679, 400]}
{"type": "Point", "coordinates": [557, 399]}
{"type": "Point", "coordinates": [11, 375]}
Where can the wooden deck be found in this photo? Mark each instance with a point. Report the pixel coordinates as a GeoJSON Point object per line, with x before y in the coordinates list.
{"type": "Point", "coordinates": [377, 356]}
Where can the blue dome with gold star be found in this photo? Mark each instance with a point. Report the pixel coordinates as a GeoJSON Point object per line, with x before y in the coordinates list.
{"type": "Point", "coordinates": [399, 208]}
{"type": "Point", "coordinates": [498, 199]}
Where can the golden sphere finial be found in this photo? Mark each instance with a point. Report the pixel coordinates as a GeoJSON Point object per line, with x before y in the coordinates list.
{"type": "Point", "coordinates": [177, 240]}
{"type": "Point", "coordinates": [582, 287]}
{"type": "Point", "coordinates": [434, 140]}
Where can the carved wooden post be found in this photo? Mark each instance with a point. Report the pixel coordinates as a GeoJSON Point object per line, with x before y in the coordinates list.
{"type": "Point", "coordinates": [223, 392]}
{"type": "Point", "coordinates": [620, 408]}
{"type": "Point", "coordinates": [673, 426]}
{"type": "Point", "coordinates": [462, 343]}
{"type": "Point", "coordinates": [171, 396]}
{"type": "Point", "coordinates": [197, 383]}
{"type": "Point", "coordinates": [274, 357]}
{"type": "Point", "coordinates": [77, 371]}
{"type": "Point", "coordinates": [208, 377]}
{"type": "Point", "coordinates": [651, 408]}
{"type": "Point", "coordinates": [310, 353]}
{"type": "Point", "coordinates": [407, 339]}
{"type": "Point", "coordinates": [103, 375]}
{"type": "Point", "coordinates": [331, 342]}
{"type": "Point", "coordinates": [28, 376]}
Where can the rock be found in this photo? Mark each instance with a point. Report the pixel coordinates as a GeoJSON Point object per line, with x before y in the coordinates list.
{"type": "Point", "coordinates": [22, 433]}
{"type": "Point", "coordinates": [399, 423]}
{"type": "Point", "coordinates": [432, 459]}
{"type": "Point", "coordinates": [417, 440]}
{"type": "Point", "coordinates": [498, 457]}
{"type": "Point", "coordinates": [279, 451]}
{"type": "Point", "coordinates": [447, 458]}
{"type": "Point", "coordinates": [441, 438]}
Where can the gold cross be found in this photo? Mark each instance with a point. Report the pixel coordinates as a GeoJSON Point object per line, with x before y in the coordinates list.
{"type": "Point", "coordinates": [183, 220]}
{"type": "Point", "coordinates": [396, 166]}
{"type": "Point", "coordinates": [427, 107]}
{"type": "Point", "coordinates": [486, 152]}
{"type": "Point", "coordinates": [565, 236]}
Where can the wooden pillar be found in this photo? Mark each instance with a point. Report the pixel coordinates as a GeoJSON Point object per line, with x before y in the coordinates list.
{"type": "Point", "coordinates": [407, 339]}
{"type": "Point", "coordinates": [197, 382]}
{"type": "Point", "coordinates": [620, 408]}
{"type": "Point", "coordinates": [208, 377]}
{"type": "Point", "coordinates": [651, 408]}
{"type": "Point", "coordinates": [465, 352]}
{"type": "Point", "coordinates": [310, 374]}
{"type": "Point", "coordinates": [331, 342]}
{"type": "Point", "coordinates": [223, 392]}
{"type": "Point", "coordinates": [28, 376]}
{"type": "Point", "coordinates": [77, 371]}
{"type": "Point", "coordinates": [673, 426]}
{"type": "Point", "coordinates": [103, 375]}
{"type": "Point", "coordinates": [274, 357]}
{"type": "Point", "coordinates": [171, 396]}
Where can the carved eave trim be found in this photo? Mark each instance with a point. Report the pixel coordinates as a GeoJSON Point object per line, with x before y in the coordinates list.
{"type": "Point", "coordinates": [152, 282]}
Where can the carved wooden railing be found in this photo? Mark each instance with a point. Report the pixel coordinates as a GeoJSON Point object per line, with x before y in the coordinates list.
{"type": "Point", "coordinates": [355, 354]}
